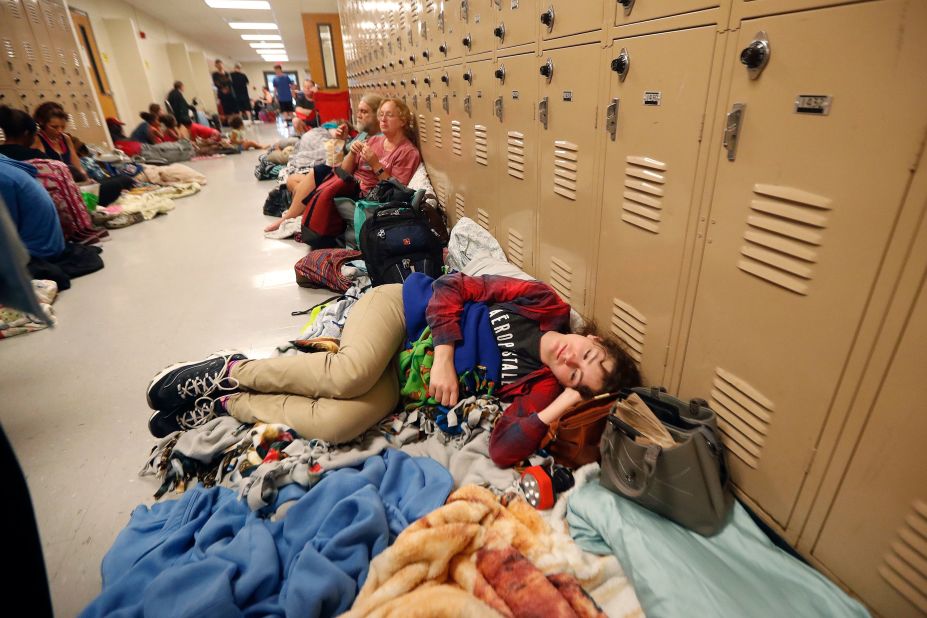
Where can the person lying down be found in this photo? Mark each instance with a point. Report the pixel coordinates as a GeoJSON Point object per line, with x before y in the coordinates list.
{"type": "Point", "coordinates": [544, 368]}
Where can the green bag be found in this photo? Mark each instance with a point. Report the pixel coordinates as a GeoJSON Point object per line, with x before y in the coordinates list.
{"type": "Point", "coordinates": [688, 483]}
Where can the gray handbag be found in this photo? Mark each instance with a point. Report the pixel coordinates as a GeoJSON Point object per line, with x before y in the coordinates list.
{"type": "Point", "coordinates": [687, 483]}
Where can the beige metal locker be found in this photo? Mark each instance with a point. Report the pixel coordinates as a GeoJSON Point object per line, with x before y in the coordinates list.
{"type": "Point", "coordinates": [476, 20]}
{"type": "Point", "coordinates": [629, 11]}
{"type": "Point", "coordinates": [562, 17]}
{"type": "Point", "coordinates": [804, 202]}
{"type": "Point", "coordinates": [516, 23]}
{"type": "Point", "coordinates": [516, 174]}
{"type": "Point", "coordinates": [568, 214]}
{"type": "Point", "coordinates": [886, 562]}
{"type": "Point", "coordinates": [652, 114]}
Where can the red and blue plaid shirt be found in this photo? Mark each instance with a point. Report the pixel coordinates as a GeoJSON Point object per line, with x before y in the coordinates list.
{"type": "Point", "coordinates": [519, 431]}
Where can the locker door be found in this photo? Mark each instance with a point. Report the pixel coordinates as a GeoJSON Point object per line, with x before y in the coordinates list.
{"type": "Point", "coordinates": [42, 42]}
{"type": "Point", "coordinates": [431, 36]}
{"type": "Point", "coordinates": [885, 563]}
{"type": "Point", "coordinates": [516, 23]}
{"type": "Point", "coordinates": [476, 25]}
{"type": "Point", "coordinates": [516, 175]}
{"type": "Point", "coordinates": [560, 17]}
{"type": "Point", "coordinates": [799, 221]}
{"type": "Point", "coordinates": [568, 213]}
{"type": "Point", "coordinates": [473, 187]}
{"type": "Point", "coordinates": [451, 91]}
{"type": "Point", "coordinates": [448, 28]}
{"type": "Point", "coordinates": [630, 12]}
{"type": "Point", "coordinates": [19, 46]}
{"type": "Point", "coordinates": [653, 117]}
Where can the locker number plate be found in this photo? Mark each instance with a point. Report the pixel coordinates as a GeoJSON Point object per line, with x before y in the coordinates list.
{"type": "Point", "coordinates": [818, 104]}
{"type": "Point", "coordinates": [652, 98]}
{"type": "Point", "coordinates": [514, 95]}
{"type": "Point", "coordinates": [567, 95]}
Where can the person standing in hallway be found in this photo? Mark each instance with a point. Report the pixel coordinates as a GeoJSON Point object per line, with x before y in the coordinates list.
{"type": "Point", "coordinates": [240, 89]}
{"type": "Point", "coordinates": [223, 83]}
{"type": "Point", "coordinates": [179, 106]}
{"type": "Point", "coordinates": [284, 92]}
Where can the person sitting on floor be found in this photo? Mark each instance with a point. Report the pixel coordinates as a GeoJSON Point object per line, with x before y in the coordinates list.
{"type": "Point", "coordinates": [131, 147]}
{"type": "Point", "coordinates": [169, 132]}
{"type": "Point", "coordinates": [237, 135]}
{"type": "Point", "coordinates": [393, 154]}
{"type": "Point", "coordinates": [306, 116]}
{"type": "Point", "coordinates": [336, 396]}
{"type": "Point", "coordinates": [149, 131]}
{"type": "Point", "coordinates": [53, 140]}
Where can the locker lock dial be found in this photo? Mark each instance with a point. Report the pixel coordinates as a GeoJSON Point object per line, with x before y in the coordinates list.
{"type": "Point", "coordinates": [547, 70]}
{"type": "Point", "coordinates": [427, 81]}
{"type": "Point", "coordinates": [469, 77]}
{"type": "Point", "coordinates": [414, 82]}
{"type": "Point", "coordinates": [755, 56]}
{"type": "Point", "coordinates": [499, 32]}
{"type": "Point", "coordinates": [628, 5]}
{"type": "Point", "coordinates": [443, 48]}
{"type": "Point", "coordinates": [446, 79]}
{"type": "Point", "coordinates": [426, 54]}
{"type": "Point", "coordinates": [547, 18]}
{"type": "Point", "coordinates": [467, 41]}
{"type": "Point", "coordinates": [500, 74]}
{"type": "Point", "coordinates": [622, 63]}
{"type": "Point", "coordinates": [412, 58]}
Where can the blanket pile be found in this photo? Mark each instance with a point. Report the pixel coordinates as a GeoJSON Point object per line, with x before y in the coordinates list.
{"type": "Point", "coordinates": [473, 557]}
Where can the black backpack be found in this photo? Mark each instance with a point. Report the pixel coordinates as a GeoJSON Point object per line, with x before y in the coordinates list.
{"type": "Point", "coordinates": [398, 240]}
{"type": "Point", "coordinates": [278, 201]}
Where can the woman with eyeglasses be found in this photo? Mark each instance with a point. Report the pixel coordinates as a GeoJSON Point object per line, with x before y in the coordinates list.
{"type": "Point", "coordinates": [392, 154]}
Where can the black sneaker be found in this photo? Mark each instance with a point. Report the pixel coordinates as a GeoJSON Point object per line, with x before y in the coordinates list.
{"type": "Point", "coordinates": [177, 388]}
{"type": "Point", "coordinates": [162, 423]}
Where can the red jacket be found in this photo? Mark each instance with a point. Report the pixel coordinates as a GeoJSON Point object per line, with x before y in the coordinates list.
{"type": "Point", "coordinates": [519, 431]}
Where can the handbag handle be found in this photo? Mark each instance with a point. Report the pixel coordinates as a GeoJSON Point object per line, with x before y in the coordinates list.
{"type": "Point", "coordinates": [649, 465]}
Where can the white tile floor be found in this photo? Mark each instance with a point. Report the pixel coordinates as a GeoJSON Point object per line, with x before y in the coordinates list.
{"type": "Point", "coordinates": [181, 286]}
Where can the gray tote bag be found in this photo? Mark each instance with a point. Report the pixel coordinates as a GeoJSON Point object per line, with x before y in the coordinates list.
{"type": "Point", "coordinates": [687, 483]}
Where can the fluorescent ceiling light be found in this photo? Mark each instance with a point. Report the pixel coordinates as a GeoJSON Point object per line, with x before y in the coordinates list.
{"type": "Point", "coordinates": [259, 5]}
{"type": "Point", "coordinates": [252, 25]}
{"type": "Point", "coordinates": [276, 58]}
{"type": "Point", "coordinates": [261, 37]}
{"type": "Point", "coordinates": [267, 45]}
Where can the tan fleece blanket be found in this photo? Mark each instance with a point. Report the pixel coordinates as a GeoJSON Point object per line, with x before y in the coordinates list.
{"type": "Point", "coordinates": [473, 557]}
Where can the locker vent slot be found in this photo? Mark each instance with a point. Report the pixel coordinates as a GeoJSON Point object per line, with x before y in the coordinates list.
{"type": "Point", "coordinates": [460, 211]}
{"type": "Point", "coordinates": [515, 155]}
{"type": "Point", "coordinates": [437, 131]}
{"type": "Point", "coordinates": [905, 567]}
{"type": "Point", "coordinates": [50, 22]}
{"type": "Point", "coordinates": [516, 248]}
{"type": "Point", "coordinates": [482, 217]}
{"type": "Point", "coordinates": [96, 119]}
{"type": "Point", "coordinates": [784, 230]}
{"type": "Point", "coordinates": [62, 22]}
{"type": "Point", "coordinates": [47, 54]}
{"type": "Point", "coordinates": [456, 141]}
{"type": "Point", "coordinates": [442, 194]}
{"type": "Point", "coordinates": [29, 52]}
{"type": "Point", "coordinates": [630, 326]}
{"type": "Point", "coordinates": [75, 57]}
{"type": "Point", "coordinates": [566, 166]}
{"type": "Point", "coordinates": [72, 122]}
{"type": "Point", "coordinates": [561, 278]}
{"type": "Point", "coordinates": [9, 50]}
{"type": "Point", "coordinates": [744, 415]}
{"type": "Point", "coordinates": [62, 59]}
{"type": "Point", "coordinates": [642, 206]}
{"type": "Point", "coordinates": [13, 8]}
{"type": "Point", "coordinates": [422, 128]}
{"type": "Point", "coordinates": [33, 9]}
{"type": "Point", "coordinates": [83, 120]}
{"type": "Point", "coordinates": [480, 144]}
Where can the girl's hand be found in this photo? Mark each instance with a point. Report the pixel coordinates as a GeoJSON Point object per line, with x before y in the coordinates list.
{"type": "Point", "coordinates": [443, 382]}
{"type": "Point", "coordinates": [275, 225]}
{"type": "Point", "coordinates": [569, 398]}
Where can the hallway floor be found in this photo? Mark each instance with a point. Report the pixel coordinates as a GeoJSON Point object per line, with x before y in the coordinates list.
{"type": "Point", "coordinates": [176, 288]}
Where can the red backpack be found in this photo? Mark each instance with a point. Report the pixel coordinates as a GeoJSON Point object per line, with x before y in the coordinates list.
{"type": "Point", "coordinates": [321, 218]}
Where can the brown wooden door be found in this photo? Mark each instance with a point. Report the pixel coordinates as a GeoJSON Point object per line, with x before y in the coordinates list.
{"type": "Point", "coordinates": [84, 32]}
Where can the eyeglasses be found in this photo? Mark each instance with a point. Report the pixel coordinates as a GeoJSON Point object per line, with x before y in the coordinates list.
{"type": "Point", "coordinates": [383, 115]}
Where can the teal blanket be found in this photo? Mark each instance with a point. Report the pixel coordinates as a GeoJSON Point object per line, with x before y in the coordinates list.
{"type": "Point", "coordinates": [676, 572]}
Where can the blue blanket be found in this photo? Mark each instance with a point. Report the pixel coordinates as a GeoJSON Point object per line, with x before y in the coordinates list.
{"type": "Point", "coordinates": [207, 554]}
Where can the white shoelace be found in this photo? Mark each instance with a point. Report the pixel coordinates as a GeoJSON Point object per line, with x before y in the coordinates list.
{"type": "Point", "coordinates": [203, 389]}
{"type": "Point", "coordinates": [203, 411]}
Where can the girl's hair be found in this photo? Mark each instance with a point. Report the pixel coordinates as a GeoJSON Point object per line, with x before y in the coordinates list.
{"type": "Point", "coordinates": [148, 117]}
{"type": "Point", "coordinates": [625, 372]}
{"type": "Point", "coordinates": [154, 109]}
{"type": "Point", "coordinates": [44, 113]}
{"type": "Point", "coordinates": [17, 125]}
{"type": "Point", "coordinates": [235, 122]}
{"type": "Point", "coordinates": [168, 121]}
{"type": "Point", "coordinates": [405, 115]}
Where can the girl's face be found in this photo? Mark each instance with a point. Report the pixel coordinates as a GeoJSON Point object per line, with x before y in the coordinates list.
{"type": "Point", "coordinates": [55, 127]}
{"type": "Point", "coordinates": [576, 360]}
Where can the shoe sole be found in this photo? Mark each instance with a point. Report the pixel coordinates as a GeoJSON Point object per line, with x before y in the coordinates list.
{"type": "Point", "coordinates": [174, 366]}
{"type": "Point", "coordinates": [151, 418]}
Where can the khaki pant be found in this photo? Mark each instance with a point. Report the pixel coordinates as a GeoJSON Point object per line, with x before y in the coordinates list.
{"type": "Point", "coordinates": [332, 397]}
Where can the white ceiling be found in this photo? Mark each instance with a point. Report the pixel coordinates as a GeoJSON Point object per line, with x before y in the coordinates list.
{"type": "Point", "coordinates": [210, 29]}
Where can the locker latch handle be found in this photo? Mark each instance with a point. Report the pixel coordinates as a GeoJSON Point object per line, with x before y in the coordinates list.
{"type": "Point", "coordinates": [735, 118]}
{"type": "Point", "coordinates": [628, 5]}
{"type": "Point", "coordinates": [497, 107]}
{"type": "Point", "coordinates": [611, 119]}
{"type": "Point", "coordinates": [415, 101]}
{"type": "Point", "coordinates": [445, 104]}
{"type": "Point", "coordinates": [547, 18]}
{"type": "Point", "coordinates": [465, 10]}
{"type": "Point", "coordinates": [542, 112]}
{"type": "Point", "coordinates": [441, 19]}
{"type": "Point", "coordinates": [428, 102]}
{"type": "Point", "coordinates": [467, 108]}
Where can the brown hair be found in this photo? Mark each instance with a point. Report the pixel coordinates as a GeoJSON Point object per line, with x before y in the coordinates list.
{"type": "Point", "coordinates": [168, 121]}
{"type": "Point", "coordinates": [235, 122]}
{"type": "Point", "coordinates": [48, 110]}
{"type": "Point", "coordinates": [406, 115]}
{"type": "Point", "coordinates": [624, 374]}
